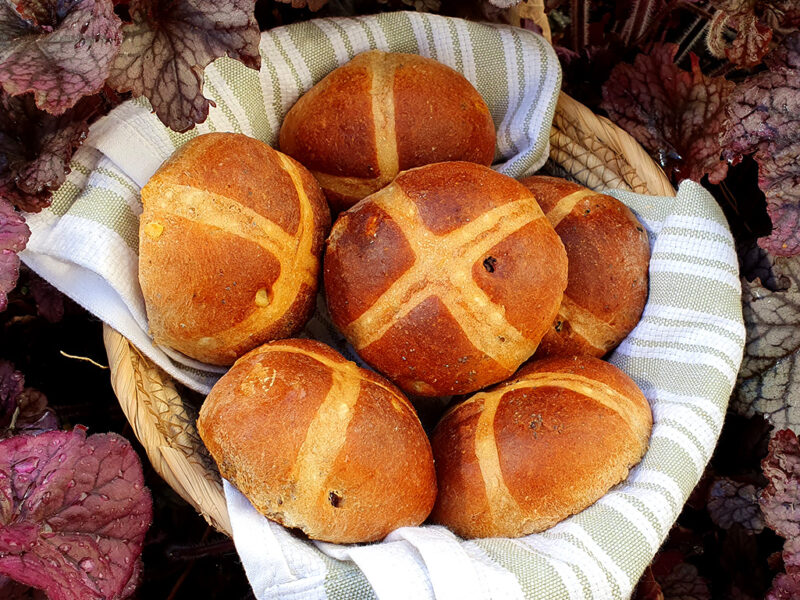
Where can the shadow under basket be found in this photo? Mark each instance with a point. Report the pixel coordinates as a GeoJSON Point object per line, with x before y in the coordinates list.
{"type": "Point", "coordinates": [584, 147]}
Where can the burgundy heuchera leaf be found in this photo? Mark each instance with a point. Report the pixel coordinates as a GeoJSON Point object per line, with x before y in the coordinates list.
{"type": "Point", "coordinates": [791, 556]}
{"type": "Point", "coordinates": [12, 382]}
{"type": "Point", "coordinates": [60, 51]}
{"type": "Point", "coordinates": [73, 513]}
{"type": "Point", "coordinates": [780, 500]}
{"type": "Point", "coordinates": [753, 21]}
{"type": "Point", "coordinates": [22, 409]}
{"type": "Point", "coordinates": [14, 234]}
{"type": "Point", "coordinates": [675, 114]}
{"type": "Point", "coordinates": [36, 147]}
{"type": "Point", "coordinates": [785, 587]}
{"type": "Point", "coordinates": [49, 301]}
{"type": "Point", "coordinates": [763, 117]}
{"type": "Point", "coordinates": [167, 46]}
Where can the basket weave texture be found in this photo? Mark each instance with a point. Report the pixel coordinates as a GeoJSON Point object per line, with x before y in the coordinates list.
{"type": "Point", "coordinates": [590, 149]}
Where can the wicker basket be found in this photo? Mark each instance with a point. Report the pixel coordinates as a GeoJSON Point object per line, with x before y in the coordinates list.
{"type": "Point", "coordinates": [590, 149]}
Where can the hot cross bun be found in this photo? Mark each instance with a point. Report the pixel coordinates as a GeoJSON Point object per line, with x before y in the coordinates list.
{"type": "Point", "coordinates": [383, 113]}
{"type": "Point", "coordinates": [533, 450]}
{"type": "Point", "coordinates": [230, 240]}
{"type": "Point", "coordinates": [318, 443]}
{"type": "Point", "coordinates": [608, 256]}
{"type": "Point", "coordinates": [445, 280]}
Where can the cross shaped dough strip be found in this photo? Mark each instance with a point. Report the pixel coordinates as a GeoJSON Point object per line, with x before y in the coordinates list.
{"type": "Point", "coordinates": [228, 215]}
{"type": "Point", "coordinates": [327, 432]}
{"type": "Point", "coordinates": [590, 327]}
{"type": "Point", "coordinates": [443, 268]}
{"type": "Point", "coordinates": [502, 504]}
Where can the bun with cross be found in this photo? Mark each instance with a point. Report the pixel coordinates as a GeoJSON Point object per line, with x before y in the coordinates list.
{"type": "Point", "coordinates": [230, 240]}
{"type": "Point", "coordinates": [316, 442]}
{"type": "Point", "coordinates": [520, 457]}
{"type": "Point", "coordinates": [445, 280]}
{"type": "Point", "coordinates": [608, 254]}
{"type": "Point", "coordinates": [382, 113]}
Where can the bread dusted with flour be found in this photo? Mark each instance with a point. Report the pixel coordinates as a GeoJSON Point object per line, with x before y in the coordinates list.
{"type": "Point", "coordinates": [445, 280]}
{"type": "Point", "coordinates": [383, 113]}
{"type": "Point", "coordinates": [538, 448]}
{"type": "Point", "coordinates": [318, 443]}
{"type": "Point", "coordinates": [230, 240]}
{"type": "Point", "coordinates": [608, 255]}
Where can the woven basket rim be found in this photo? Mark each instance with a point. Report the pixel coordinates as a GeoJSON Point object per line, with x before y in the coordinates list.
{"type": "Point", "coordinates": [589, 147]}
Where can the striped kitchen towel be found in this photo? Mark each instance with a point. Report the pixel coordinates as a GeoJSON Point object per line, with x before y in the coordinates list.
{"type": "Point", "coordinates": [684, 354]}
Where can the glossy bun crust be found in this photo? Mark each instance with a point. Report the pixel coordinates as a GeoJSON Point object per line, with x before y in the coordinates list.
{"type": "Point", "coordinates": [317, 443]}
{"type": "Point", "coordinates": [383, 113]}
{"type": "Point", "coordinates": [608, 255]}
{"type": "Point", "coordinates": [230, 240]}
{"type": "Point", "coordinates": [445, 280]}
{"type": "Point", "coordinates": [538, 448]}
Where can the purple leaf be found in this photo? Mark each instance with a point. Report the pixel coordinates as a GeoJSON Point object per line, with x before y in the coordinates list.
{"type": "Point", "coordinates": [9, 272]}
{"type": "Point", "coordinates": [60, 51]}
{"type": "Point", "coordinates": [791, 556]}
{"type": "Point", "coordinates": [675, 114]}
{"type": "Point", "coordinates": [684, 583]}
{"type": "Point", "coordinates": [133, 582]}
{"type": "Point", "coordinates": [167, 46]}
{"type": "Point", "coordinates": [780, 500]}
{"type": "Point", "coordinates": [36, 147]}
{"type": "Point", "coordinates": [751, 44]}
{"type": "Point", "coordinates": [784, 587]}
{"type": "Point", "coordinates": [763, 117]}
{"type": "Point", "coordinates": [12, 382]}
{"type": "Point", "coordinates": [73, 513]}
{"type": "Point", "coordinates": [14, 234]}
{"type": "Point", "coordinates": [49, 301]}
{"type": "Point", "coordinates": [22, 409]}
{"type": "Point", "coordinates": [732, 502]}
{"type": "Point", "coordinates": [753, 21]}
{"type": "Point", "coordinates": [34, 416]}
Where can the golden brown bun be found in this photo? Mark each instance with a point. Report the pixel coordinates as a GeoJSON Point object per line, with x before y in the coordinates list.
{"type": "Point", "coordinates": [608, 255]}
{"type": "Point", "coordinates": [230, 240]}
{"type": "Point", "coordinates": [383, 113]}
{"type": "Point", "coordinates": [445, 280]}
{"type": "Point", "coordinates": [318, 443]}
{"type": "Point", "coordinates": [538, 448]}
